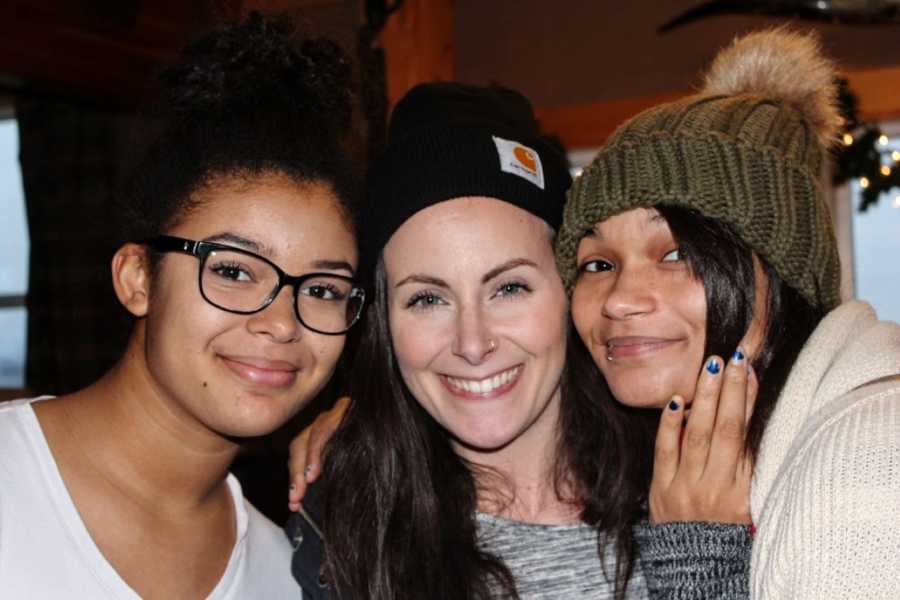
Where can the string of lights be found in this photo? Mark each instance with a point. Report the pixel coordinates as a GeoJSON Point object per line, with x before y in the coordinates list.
{"type": "Point", "coordinates": [865, 155]}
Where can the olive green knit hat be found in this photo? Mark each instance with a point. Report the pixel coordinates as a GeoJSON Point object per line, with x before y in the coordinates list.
{"type": "Point", "coordinates": [747, 150]}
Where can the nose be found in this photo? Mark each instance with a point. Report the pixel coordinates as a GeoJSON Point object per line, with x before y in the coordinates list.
{"type": "Point", "coordinates": [278, 320]}
{"type": "Point", "coordinates": [631, 295]}
{"type": "Point", "coordinates": [473, 341]}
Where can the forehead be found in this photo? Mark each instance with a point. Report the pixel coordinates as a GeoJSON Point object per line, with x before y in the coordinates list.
{"type": "Point", "coordinates": [463, 233]}
{"type": "Point", "coordinates": [283, 218]}
{"type": "Point", "coordinates": [631, 222]}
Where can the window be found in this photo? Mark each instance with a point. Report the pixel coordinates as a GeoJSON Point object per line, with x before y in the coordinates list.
{"type": "Point", "coordinates": [14, 249]}
{"type": "Point", "coordinates": [876, 242]}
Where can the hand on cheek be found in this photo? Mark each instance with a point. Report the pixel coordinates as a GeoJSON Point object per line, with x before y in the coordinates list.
{"type": "Point", "coordinates": [701, 471]}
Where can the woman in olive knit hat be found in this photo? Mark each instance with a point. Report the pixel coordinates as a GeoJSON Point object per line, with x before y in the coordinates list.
{"type": "Point", "coordinates": [700, 232]}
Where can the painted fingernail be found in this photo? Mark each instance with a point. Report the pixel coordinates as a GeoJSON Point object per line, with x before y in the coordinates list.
{"type": "Point", "coordinates": [673, 405]}
{"type": "Point", "coordinates": [738, 356]}
{"type": "Point", "coordinates": [293, 487]}
{"type": "Point", "coordinates": [713, 367]}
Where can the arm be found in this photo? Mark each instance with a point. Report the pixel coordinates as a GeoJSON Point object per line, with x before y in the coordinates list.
{"type": "Point", "coordinates": [305, 463]}
{"type": "Point", "coordinates": [694, 560]}
{"type": "Point", "coordinates": [697, 543]}
{"type": "Point", "coordinates": [830, 526]}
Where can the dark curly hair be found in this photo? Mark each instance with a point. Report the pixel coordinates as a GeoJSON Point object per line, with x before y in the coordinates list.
{"type": "Point", "coordinates": [243, 100]}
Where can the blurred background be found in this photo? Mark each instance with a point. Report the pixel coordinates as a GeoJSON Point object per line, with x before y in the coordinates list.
{"type": "Point", "coordinates": [73, 73]}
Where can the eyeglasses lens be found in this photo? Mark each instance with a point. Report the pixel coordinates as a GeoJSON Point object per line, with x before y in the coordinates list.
{"type": "Point", "coordinates": [240, 282]}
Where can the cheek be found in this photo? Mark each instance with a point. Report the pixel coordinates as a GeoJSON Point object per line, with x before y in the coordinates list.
{"type": "Point", "coordinates": [692, 303]}
{"type": "Point", "coordinates": [416, 341]}
{"type": "Point", "coordinates": [548, 334]}
{"type": "Point", "coordinates": [586, 310]}
{"type": "Point", "coordinates": [327, 348]}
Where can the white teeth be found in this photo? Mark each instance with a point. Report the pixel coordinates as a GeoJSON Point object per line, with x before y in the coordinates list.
{"type": "Point", "coordinates": [484, 386]}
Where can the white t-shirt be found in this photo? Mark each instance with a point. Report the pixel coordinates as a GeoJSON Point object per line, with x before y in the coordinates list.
{"type": "Point", "coordinates": [46, 552]}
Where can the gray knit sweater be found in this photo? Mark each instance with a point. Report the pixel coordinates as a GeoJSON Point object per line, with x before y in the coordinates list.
{"type": "Point", "coordinates": [554, 561]}
{"type": "Point", "coordinates": [695, 561]}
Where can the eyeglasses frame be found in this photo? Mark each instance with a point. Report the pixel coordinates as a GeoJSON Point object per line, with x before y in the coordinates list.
{"type": "Point", "coordinates": [201, 251]}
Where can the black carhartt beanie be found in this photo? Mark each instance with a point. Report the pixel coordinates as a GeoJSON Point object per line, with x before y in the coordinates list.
{"type": "Point", "coordinates": [451, 140]}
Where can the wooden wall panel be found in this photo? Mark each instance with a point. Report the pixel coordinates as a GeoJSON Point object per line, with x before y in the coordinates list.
{"type": "Point", "coordinates": [419, 45]}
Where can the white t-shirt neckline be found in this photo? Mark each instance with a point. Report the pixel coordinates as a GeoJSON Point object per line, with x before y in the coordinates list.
{"type": "Point", "coordinates": [78, 533]}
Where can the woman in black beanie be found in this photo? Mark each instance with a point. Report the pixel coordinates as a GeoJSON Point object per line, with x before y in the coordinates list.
{"type": "Point", "coordinates": [466, 465]}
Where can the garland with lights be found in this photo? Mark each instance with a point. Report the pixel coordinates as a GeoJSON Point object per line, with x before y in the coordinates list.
{"type": "Point", "coordinates": [863, 153]}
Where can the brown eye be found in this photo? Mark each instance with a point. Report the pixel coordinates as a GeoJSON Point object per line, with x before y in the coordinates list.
{"type": "Point", "coordinates": [596, 266]}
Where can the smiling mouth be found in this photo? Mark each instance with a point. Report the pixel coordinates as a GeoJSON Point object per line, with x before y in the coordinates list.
{"type": "Point", "coordinates": [262, 372]}
{"type": "Point", "coordinates": [489, 387]}
{"type": "Point", "coordinates": [636, 346]}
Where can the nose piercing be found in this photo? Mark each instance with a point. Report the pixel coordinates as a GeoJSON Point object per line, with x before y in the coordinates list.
{"type": "Point", "coordinates": [492, 345]}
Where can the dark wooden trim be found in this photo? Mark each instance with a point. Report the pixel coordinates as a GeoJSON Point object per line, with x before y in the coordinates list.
{"type": "Point", "coordinates": [419, 45]}
{"type": "Point", "coordinates": [588, 125]}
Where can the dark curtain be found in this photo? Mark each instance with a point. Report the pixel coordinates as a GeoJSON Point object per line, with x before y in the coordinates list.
{"type": "Point", "coordinates": [70, 156]}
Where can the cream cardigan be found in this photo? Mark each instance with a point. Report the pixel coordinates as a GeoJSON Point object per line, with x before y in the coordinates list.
{"type": "Point", "coordinates": [826, 492]}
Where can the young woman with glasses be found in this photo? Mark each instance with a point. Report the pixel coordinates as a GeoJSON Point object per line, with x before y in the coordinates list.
{"type": "Point", "coordinates": [240, 279]}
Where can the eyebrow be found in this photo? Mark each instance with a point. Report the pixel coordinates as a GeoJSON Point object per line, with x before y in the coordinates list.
{"type": "Point", "coordinates": [654, 219]}
{"type": "Point", "coordinates": [237, 240]}
{"type": "Point", "coordinates": [507, 266]}
{"type": "Point", "coordinates": [493, 273]}
{"type": "Point", "coordinates": [333, 265]}
{"type": "Point", "coordinates": [263, 250]}
{"type": "Point", "coordinates": [425, 279]}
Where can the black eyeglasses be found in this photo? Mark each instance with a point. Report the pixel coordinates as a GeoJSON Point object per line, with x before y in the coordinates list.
{"type": "Point", "coordinates": [238, 281]}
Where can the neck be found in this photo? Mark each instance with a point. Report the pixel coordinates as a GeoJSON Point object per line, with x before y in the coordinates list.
{"type": "Point", "coordinates": [131, 432]}
{"type": "Point", "coordinates": [519, 481]}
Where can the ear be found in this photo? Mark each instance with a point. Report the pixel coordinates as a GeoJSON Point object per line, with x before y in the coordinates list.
{"type": "Point", "coordinates": [131, 278]}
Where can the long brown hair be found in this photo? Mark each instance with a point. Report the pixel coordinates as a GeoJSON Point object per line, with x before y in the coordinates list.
{"type": "Point", "coordinates": [400, 503]}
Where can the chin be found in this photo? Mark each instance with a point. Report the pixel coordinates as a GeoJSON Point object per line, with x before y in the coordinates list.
{"type": "Point", "coordinates": [484, 439]}
{"type": "Point", "coordinates": [255, 417]}
{"type": "Point", "coordinates": [643, 396]}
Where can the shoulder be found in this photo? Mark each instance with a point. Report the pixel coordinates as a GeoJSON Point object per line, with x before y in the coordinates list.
{"type": "Point", "coordinates": [829, 525]}
{"type": "Point", "coordinates": [20, 439]}
{"type": "Point", "coordinates": [266, 556]}
{"type": "Point", "coordinates": [854, 438]}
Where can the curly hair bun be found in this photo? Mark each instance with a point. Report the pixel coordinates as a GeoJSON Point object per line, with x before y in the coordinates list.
{"type": "Point", "coordinates": [784, 65]}
{"type": "Point", "coordinates": [238, 67]}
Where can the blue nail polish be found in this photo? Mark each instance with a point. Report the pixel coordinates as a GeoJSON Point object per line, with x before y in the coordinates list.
{"type": "Point", "coordinates": [713, 367]}
{"type": "Point", "coordinates": [738, 356]}
{"type": "Point", "coordinates": [673, 406]}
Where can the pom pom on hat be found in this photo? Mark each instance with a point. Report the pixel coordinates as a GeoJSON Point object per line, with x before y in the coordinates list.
{"type": "Point", "coordinates": [784, 65]}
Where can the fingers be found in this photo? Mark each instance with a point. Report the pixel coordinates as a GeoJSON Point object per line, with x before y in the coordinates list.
{"type": "Point", "coordinates": [699, 430]}
{"type": "Point", "coordinates": [296, 468]}
{"type": "Point", "coordinates": [668, 444]}
{"type": "Point", "coordinates": [728, 440]}
{"type": "Point", "coordinates": [305, 464]}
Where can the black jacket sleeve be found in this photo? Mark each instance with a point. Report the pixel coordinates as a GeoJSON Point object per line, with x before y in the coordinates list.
{"type": "Point", "coordinates": [304, 531]}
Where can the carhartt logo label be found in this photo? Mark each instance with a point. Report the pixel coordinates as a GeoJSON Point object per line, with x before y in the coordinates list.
{"type": "Point", "coordinates": [526, 158]}
{"type": "Point", "coordinates": [520, 160]}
